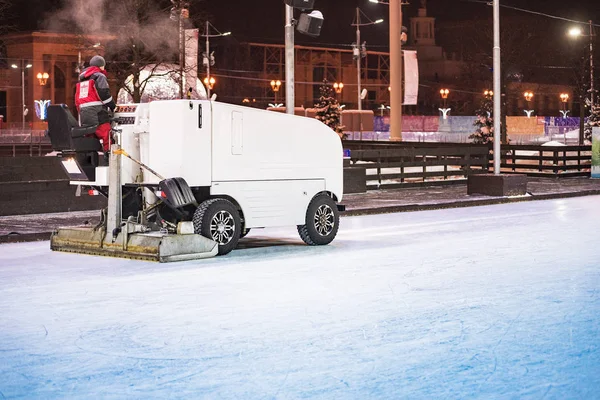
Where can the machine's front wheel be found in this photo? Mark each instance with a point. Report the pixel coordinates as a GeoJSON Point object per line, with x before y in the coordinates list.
{"type": "Point", "coordinates": [219, 220]}
{"type": "Point", "coordinates": [322, 221]}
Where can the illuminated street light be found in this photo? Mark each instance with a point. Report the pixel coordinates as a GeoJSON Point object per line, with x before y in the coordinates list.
{"type": "Point", "coordinates": [43, 78]}
{"type": "Point", "coordinates": [577, 32]}
{"type": "Point", "coordinates": [275, 85]}
{"type": "Point", "coordinates": [564, 98]}
{"type": "Point", "coordinates": [528, 96]}
{"type": "Point", "coordinates": [444, 93]}
{"type": "Point", "coordinates": [209, 82]}
{"type": "Point", "coordinates": [23, 68]}
{"type": "Point", "coordinates": [338, 87]}
{"type": "Point", "coordinates": [488, 93]}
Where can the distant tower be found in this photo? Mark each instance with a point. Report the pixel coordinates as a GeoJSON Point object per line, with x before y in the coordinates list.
{"type": "Point", "coordinates": [422, 28]}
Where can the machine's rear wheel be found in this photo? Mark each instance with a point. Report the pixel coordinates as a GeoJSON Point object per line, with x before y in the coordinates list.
{"type": "Point", "coordinates": [219, 220]}
{"type": "Point", "coordinates": [322, 221]}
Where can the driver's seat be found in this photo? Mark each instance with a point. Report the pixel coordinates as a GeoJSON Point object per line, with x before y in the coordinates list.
{"type": "Point", "coordinates": [66, 134]}
{"type": "Point", "coordinates": [73, 141]}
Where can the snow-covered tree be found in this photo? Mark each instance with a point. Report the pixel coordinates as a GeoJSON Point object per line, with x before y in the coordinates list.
{"type": "Point", "coordinates": [593, 120]}
{"type": "Point", "coordinates": [484, 122]}
{"type": "Point", "coordinates": [328, 109]}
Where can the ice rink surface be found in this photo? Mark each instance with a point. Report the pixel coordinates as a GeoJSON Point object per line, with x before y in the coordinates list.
{"type": "Point", "coordinates": [484, 302]}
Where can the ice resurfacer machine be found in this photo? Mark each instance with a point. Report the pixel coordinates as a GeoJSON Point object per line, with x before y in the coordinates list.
{"type": "Point", "coordinates": [186, 179]}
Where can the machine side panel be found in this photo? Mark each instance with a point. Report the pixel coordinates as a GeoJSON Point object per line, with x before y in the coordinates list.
{"type": "Point", "coordinates": [274, 146]}
{"type": "Point", "coordinates": [180, 140]}
{"type": "Point", "coordinates": [271, 203]}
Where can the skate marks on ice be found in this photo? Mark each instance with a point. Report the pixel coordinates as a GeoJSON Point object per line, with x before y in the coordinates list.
{"type": "Point", "coordinates": [487, 302]}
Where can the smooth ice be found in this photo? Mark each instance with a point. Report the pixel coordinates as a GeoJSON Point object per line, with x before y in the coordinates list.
{"type": "Point", "coordinates": [483, 302]}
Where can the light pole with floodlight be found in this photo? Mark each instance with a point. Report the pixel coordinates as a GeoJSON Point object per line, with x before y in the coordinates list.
{"type": "Point", "coordinates": [576, 32]}
{"type": "Point", "coordinates": [208, 59]}
{"type": "Point", "coordinates": [360, 50]}
{"type": "Point", "coordinates": [23, 68]}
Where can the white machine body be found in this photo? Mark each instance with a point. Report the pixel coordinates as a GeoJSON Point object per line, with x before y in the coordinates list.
{"type": "Point", "coordinates": [270, 164]}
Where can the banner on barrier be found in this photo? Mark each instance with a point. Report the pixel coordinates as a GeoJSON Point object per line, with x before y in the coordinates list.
{"type": "Point", "coordinates": [411, 77]}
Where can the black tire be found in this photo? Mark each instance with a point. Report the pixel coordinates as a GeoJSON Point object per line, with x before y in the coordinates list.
{"type": "Point", "coordinates": [322, 221]}
{"type": "Point", "coordinates": [219, 220]}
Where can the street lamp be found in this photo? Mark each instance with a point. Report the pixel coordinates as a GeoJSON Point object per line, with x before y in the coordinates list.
{"type": "Point", "coordinates": [23, 68]}
{"type": "Point", "coordinates": [209, 82]}
{"type": "Point", "coordinates": [360, 51]}
{"type": "Point", "coordinates": [338, 87]}
{"type": "Point", "coordinates": [444, 93]}
{"type": "Point", "coordinates": [43, 78]}
{"type": "Point", "coordinates": [209, 59]}
{"type": "Point", "coordinates": [576, 32]}
{"type": "Point", "coordinates": [564, 98]}
{"type": "Point", "coordinates": [488, 93]}
{"type": "Point", "coordinates": [275, 85]}
{"type": "Point", "coordinates": [528, 96]}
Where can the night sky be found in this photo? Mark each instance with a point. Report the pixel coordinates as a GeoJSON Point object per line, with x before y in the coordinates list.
{"type": "Point", "coordinates": [262, 20]}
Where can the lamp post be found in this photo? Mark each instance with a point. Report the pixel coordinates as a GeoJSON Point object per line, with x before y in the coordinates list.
{"type": "Point", "coordinates": [528, 96]}
{"type": "Point", "coordinates": [23, 68]}
{"type": "Point", "coordinates": [576, 32]}
{"type": "Point", "coordinates": [360, 51]}
{"type": "Point", "coordinates": [564, 98]}
{"type": "Point", "coordinates": [180, 12]}
{"type": "Point", "coordinates": [275, 85]}
{"type": "Point", "coordinates": [444, 94]}
{"type": "Point", "coordinates": [208, 58]}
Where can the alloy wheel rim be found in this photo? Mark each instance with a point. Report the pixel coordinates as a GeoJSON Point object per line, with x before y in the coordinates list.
{"type": "Point", "coordinates": [324, 220]}
{"type": "Point", "coordinates": [222, 227]}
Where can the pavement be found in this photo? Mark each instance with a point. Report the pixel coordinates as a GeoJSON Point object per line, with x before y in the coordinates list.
{"type": "Point", "coordinates": [21, 228]}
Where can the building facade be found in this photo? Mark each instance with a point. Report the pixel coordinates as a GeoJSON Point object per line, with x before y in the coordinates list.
{"type": "Point", "coordinates": [59, 55]}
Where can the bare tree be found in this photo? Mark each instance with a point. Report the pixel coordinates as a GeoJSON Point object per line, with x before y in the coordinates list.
{"type": "Point", "coordinates": [5, 6]}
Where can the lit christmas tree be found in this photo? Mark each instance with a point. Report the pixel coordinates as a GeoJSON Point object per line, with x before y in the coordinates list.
{"type": "Point", "coordinates": [593, 120]}
{"type": "Point", "coordinates": [484, 122]}
{"type": "Point", "coordinates": [328, 109]}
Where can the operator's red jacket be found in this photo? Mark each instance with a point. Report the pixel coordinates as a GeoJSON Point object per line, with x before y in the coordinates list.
{"type": "Point", "coordinates": [92, 90]}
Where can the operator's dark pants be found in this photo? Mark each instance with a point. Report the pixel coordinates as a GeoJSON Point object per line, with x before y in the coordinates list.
{"type": "Point", "coordinates": [97, 115]}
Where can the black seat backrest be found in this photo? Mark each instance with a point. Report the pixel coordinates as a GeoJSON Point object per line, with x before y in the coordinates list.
{"type": "Point", "coordinates": [65, 133]}
{"type": "Point", "coordinates": [60, 123]}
